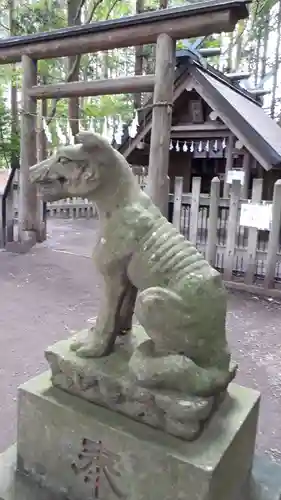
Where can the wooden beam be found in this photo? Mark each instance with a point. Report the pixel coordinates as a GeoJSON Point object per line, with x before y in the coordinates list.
{"type": "Point", "coordinates": [210, 51]}
{"type": "Point", "coordinates": [258, 92]}
{"type": "Point", "coordinates": [195, 134]}
{"type": "Point", "coordinates": [124, 85]}
{"type": "Point", "coordinates": [207, 130]}
{"type": "Point", "coordinates": [184, 54]}
{"type": "Point", "coordinates": [236, 77]}
{"type": "Point", "coordinates": [199, 127]}
{"type": "Point", "coordinates": [198, 19]}
{"type": "Point", "coordinates": [28, 202]}
{"type": "Point", "coordinates": [161, 123]}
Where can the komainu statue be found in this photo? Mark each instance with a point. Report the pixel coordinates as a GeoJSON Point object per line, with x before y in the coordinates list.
{"type": "Point", "coordinates": [148, 268]}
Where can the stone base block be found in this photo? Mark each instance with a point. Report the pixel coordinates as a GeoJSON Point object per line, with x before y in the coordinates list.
{"type": "Point", "coordinates": [82, 450]}
{"type": "Point", "coordinates": [15, 486]}
{"type": "Point", "coordinates": [264, 483]}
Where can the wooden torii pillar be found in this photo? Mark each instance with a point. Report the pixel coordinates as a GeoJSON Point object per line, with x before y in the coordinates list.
{"type": "Point", "coordinates": [158, 180]}
{"type": "Point", "coordinates": [29, 203]}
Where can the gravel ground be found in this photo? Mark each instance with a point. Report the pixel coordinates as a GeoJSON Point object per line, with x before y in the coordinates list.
{"type": "Point", "coordinates": [54, 289]}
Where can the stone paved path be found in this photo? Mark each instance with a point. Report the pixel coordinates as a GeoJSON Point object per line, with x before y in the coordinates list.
{"type": "Point", "coordinates": [54, 289]}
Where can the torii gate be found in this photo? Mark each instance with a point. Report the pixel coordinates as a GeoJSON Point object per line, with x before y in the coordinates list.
{"type": "Point", "coordinates": [163, 27]}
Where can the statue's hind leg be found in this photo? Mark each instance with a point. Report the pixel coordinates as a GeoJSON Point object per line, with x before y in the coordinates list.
{"type": "Point", "coordinates": [162, 314]}
{"type": "Point", "coordinates": [169, 359]}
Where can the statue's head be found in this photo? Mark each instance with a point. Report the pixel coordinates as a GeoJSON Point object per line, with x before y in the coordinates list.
{"type": "Point", "coordinates": [79, 170]}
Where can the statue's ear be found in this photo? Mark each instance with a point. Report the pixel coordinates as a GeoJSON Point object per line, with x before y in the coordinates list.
{"type": "Point", "coordinates": [91, 141]}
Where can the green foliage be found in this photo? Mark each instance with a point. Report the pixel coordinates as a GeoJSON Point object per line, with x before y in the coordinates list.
{"type": "Point", "coordinates": [9, 144]}
{"type": "Point", "coordinates": [40, 16]}
{"type": "Point", "coordinates": [45, 15]}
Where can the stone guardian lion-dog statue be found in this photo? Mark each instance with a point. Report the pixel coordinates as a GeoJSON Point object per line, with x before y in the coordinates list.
{"type": "Point", "coordinates": [148, 268]}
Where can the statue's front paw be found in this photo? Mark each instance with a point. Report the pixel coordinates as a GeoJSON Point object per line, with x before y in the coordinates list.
{"type": "Point", "coordinates": [79, 340]}
{"type": "Point", "coordinates": [91, 344]}
{"type": "Point", "coordinates": [92, 349]}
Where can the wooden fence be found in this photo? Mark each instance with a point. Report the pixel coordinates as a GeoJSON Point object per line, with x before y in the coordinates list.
{"type": "Point", "coordinates": [213, 225]}
{"type": "Point", "coordinates": [72, 208]}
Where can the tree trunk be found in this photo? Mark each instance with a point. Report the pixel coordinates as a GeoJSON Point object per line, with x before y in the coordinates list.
{"type": "Point", "coordinates": [238, 55]}
{"type": "Point", "coordinates": [265, 45]}
{"type": "Point", "coordinates": [138, 57]}
{"type": "Point", "coordinates": [276, 63]}
{"type": "Point", "coordinates": [14, 94]}
{"type": "Point", "coordinates": [250, 47]}
{"type": "Point", "coordinates": [148, 53]}
{"type": "Point", "coordinates": [258, 56]}
{"type": "Point", "coordinates": [74, 18]}
{"type": "Point", "coordinates": [229, 53]}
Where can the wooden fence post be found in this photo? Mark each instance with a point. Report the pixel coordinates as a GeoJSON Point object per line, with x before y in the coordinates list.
{"type": "Point", "coordinates": [273, 243]}
{"type": "Point", "coordinates": [10, 215]}
{"type": "Point", "coordinates": [246, 170]}
{"type": "Point", "coordinates": [253, 236]}
{"type": "Point", "coordinates": [177, 202]}
{"type": "Point", "coordinates": [161, 122]}
{"type": "Point", "coordinates": [211, 249]}
{"type": "Point", "coordinates": [194, 209]}
{"type": "Point", "coordinates": [228, 165]}
{"type": "Point", "coordinates": [28, 202]}
{"type": "Point", "coordinates": [231, 230]}
{"type": "Point", "coordinates": [2, 235]}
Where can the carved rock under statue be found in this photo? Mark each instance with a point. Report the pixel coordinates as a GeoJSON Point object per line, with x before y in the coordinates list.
{"type": "Point", "coordinates": [173, 370]}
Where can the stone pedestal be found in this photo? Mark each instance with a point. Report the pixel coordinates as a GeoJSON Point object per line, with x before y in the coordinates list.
{"type": "Point", "coordinates": [132, 460]}
{"type": "Point", "coordinates": [108, 381]}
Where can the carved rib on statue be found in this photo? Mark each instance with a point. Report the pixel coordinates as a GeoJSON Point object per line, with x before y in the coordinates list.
{"type": "Point", "coordinates": [147, 266]}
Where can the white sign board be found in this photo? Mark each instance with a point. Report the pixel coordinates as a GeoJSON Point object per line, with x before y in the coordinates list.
{"type": "Point", "coordinates": [235, 175]}
{"type": "Point", "coordinates": [256, 215]}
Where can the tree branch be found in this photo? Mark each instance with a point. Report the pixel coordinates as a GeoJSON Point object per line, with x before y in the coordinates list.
{"type": "Point", "coordinates": [113, 5]}
{"type": "Point", "coordinates": [93, 10]}
{"type": "Point", "coordinates": [79, 10]}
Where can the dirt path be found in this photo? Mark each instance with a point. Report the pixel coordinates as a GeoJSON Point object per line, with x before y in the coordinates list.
{"type": "Point", "coordinates": [55, 289]}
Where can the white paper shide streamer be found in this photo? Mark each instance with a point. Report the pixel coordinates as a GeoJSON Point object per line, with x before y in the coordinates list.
{"type": "Point", "coordinates": [60, 134]}
{"type": "Point", "coordinates": [119, 133]}
{"type": "Point", "coordinates": [47, 132]}
{"type": "Point", "coordinates": [70, 136]}
{"type": "Point", "coordinates": [133, 128]}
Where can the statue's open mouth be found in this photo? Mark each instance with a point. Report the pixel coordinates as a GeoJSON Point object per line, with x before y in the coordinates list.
{"type": "Point", "coordinates": [49, 183]}
{"type": "Point", "coordinates": [60, 179]}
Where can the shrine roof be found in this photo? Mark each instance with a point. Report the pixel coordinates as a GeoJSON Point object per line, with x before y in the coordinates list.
{"type": "Point", "coordinates": [260, 134]}
{"type": "Point", "coordinates": [236, 107]}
